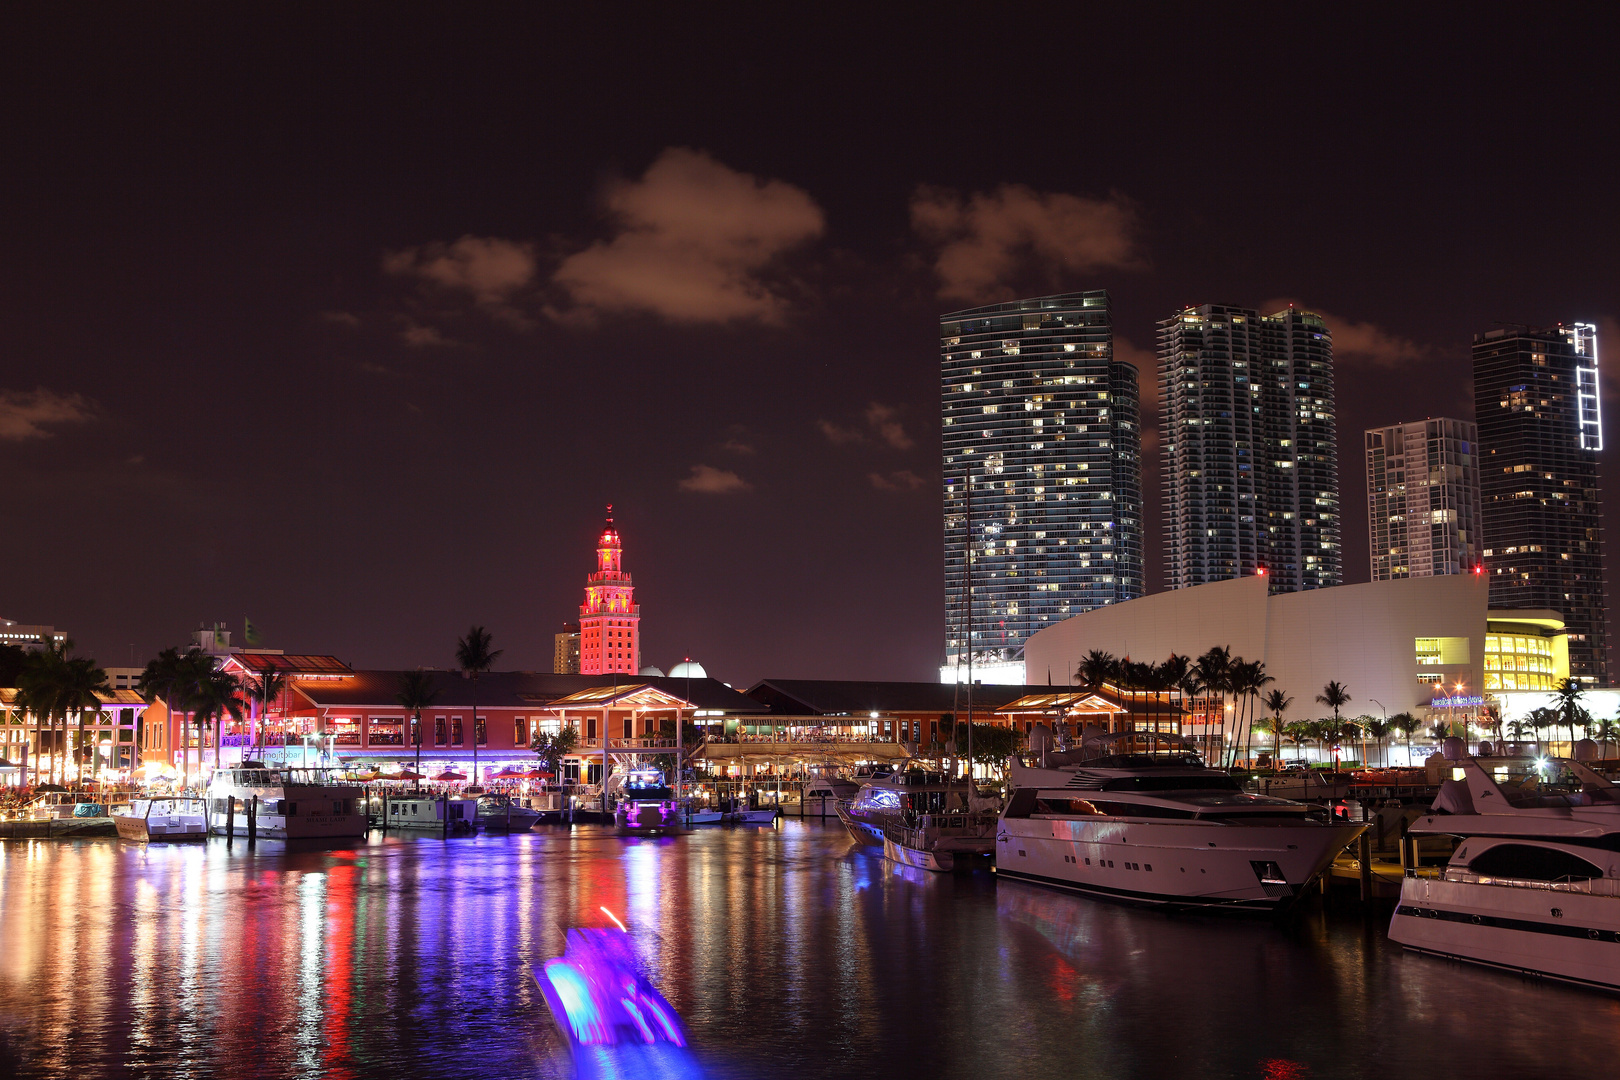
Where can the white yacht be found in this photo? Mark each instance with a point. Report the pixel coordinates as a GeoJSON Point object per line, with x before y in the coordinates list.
{"type": "Point", "coordinates": [503, 813]}
{"type": "Point", "coordinates": [1138, 817]}
{"type": "Point", "coordinates": [1534, 886]}
{"type": "Point", "coordinates": [293, 803]}
{"type": "Point", "coordinates": [162, 819]}
{"type": "Point", "coordinates": [436, 813]}
{"type": "Point", "coordinates": [922, 818]}
{"type": "Point", "coordinates": [822, 794]}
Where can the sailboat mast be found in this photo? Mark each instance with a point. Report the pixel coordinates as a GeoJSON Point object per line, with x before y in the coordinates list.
{"type": "Point", "coordinates": [968, 569]}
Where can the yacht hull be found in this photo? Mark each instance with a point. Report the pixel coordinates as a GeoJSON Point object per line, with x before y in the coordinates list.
{"type": "Point", "coordinates": [1552, 933]}
{"type": "Point", "coordinates": [862, 830]}
{"type": "Point", "coordinates": [938, 861]}
{"type": "Point", "coordinates": [1236, 867]}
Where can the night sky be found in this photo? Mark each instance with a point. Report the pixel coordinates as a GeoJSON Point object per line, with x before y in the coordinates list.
{"type": "Point", "coordinates": [351, 318]}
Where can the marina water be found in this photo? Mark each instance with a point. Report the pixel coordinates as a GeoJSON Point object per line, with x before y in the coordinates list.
{"type": "Point", "coordinates": [788, 951]}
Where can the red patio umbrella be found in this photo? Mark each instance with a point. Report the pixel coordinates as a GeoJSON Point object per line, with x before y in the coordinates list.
{"type": "Point", "coordinates": [407, 775]}
{"type": "Point", "coordinates": [448, 775]}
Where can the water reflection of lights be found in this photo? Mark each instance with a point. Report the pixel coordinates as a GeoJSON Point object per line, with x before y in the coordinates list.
{"type": "Point", "coordinates": [641, 865]}
{"type": "Point", "coordinates": [311, 975]}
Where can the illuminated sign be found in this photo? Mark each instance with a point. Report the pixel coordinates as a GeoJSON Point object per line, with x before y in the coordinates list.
{"type": "Point", "coordinates": [1456, 702]}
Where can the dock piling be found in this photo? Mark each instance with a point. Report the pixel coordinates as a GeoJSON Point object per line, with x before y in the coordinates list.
{"type": "Point", "coordinates": [252, 811]}
{"type": "Point", "coordinates": [230, 819]}
{"type": "Point", "coordinates": [1364, 856]}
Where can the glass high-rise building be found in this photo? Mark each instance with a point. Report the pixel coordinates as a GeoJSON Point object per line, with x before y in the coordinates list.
{"type": "Point", "coordinates": [1423, 499]}
{"type": "Point", "coordinates": [1045, 423]}
{"type": "Point", "coordinates": [1540, 420]}
{"type": "Point", "coordinates": [1247, 448]}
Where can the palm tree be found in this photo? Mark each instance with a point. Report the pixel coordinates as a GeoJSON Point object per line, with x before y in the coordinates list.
{"type": "Point", "coordinates": [1277, 703]}
{"type": "Point", "coordinates": [217, 695]}
{"type": "Point", "coordinates": [417, 692]}
{"type": "Point", "coordinates": [1335, 696]}
{"type": "Point", "coordinates": [1299, 733]}
{"type": "Point", "coordinates": [1097, 668]}
{"type": "Point", "coordinates": [39, 695]}
{"type": "Point", "coordinates": [1406, 723]}
{"type": "Point", "coordinates": [1606, 732]}
{"type": "Point", "coordinates": [1379, 730]}
{"type": "Point", "coordinates": [1569, 709]}
{"type": "Point", "coordinates": [272, 684]}
{"type": "Point", "coordinates": [1213, 670]}
{"type": "Point", "coordinates": [82, 686]}
{"type": "Point", "coordinates": [1539, 719]}
{"type": "Point", "coordinates": [1249, 679]}
{"type": "Point", "coordinates": [474, 657]}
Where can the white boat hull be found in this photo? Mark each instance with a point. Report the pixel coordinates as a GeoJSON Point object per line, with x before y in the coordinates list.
{"type": "Point", "coordinates": [1568, 935]}
{"type": "Point", "coordinates": [938, 861]}
{"type": "Point", "coordinates": [752, 817]}
{"type": "Point", "coordinates": [1256, 867]}
{"type": "Point", "coordinates": [161, 827]}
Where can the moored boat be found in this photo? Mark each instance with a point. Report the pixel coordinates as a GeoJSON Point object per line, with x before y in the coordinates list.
{"type": "Point", "coordinates": [1137, 816]}
{"type": "Point", "coordinates": [503, 813]}
{"type": "Point", "coordinates": [289, 803]}
{"type": "Point", "coordinates": [430, 812]}
{"type": "Point", "coordinates": [922, 818]}
{"type": "Point", "coordinates": [162, 819]}
{"type": "Point", "coordinates": [646, 806]}
{"type": "Point", "coordinates": [1534, 884]}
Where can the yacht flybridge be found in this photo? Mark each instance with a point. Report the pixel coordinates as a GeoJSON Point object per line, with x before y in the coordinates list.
{"type": "Point", "coordinates": [1534, 886]}
{"type": "Point", "coordinates": [1136, 816]}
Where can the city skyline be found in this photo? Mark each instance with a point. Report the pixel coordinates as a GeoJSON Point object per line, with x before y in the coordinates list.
{"type": "Point", "coordinates": [356, 334]}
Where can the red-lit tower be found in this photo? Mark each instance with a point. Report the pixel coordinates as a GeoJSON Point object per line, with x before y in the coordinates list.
{"type": "Point", "coordinates": [609, 619]}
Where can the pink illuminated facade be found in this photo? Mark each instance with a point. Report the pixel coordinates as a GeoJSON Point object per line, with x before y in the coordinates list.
{"type": "Point", "coordinates": [609, 619]}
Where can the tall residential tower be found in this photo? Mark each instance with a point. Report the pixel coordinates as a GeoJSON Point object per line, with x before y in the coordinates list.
{"type": "Point", "coordinates": [1423, 499]}
{"type": "Point", "coordinates": [1043, 419]}
{"type": "Point", "coordinates": [1250, 465]}
{"type": "Point", "coordinates": [1540, 430]}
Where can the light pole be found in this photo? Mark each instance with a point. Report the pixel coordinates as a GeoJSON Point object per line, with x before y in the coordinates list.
{"type": "Point", "coordinates": [1385, 711]}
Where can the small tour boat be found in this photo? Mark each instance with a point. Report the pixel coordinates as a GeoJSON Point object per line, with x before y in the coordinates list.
{"type": "Point", "coordinates": [1534, 886]}
{"type": "Point", "coordinates": [646, 806]}
{"type": "Point", "coordinates": [163, 819]}
{"type": "Point", "coordinates": [432, 812]}
{"type": "Point", "coordinates": [290, 803]}
{"type": "Point", "coordinates": [745, 816]}
{"type": "Point", "coordinates": [923, 819]}
{"type": "Point", "coordinates": [1137, 816]}
{"type": "Point", "coordinates": [503, 813]}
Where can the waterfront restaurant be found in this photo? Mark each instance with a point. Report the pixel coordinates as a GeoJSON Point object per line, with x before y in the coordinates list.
{"type": "Point", "coordinates": [501, 715]}
{"type": "Point", "coordinates": [1108, 706]}
{"type": "Point", "coordinates": [111, 732]}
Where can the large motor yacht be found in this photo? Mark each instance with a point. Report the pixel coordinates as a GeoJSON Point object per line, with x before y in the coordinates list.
{"type": "Point", "coordinates": [923, 819]}
{"type": "Point", "coordinates": [1137, 816]}
{"type": "Point", "coordinates": [1534, 886]}
{"type": "Point", "coordinates": [293, 804]}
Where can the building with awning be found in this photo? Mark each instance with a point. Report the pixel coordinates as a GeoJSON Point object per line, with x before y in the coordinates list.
{"type": "Point", "coordinates": [111, 731]}
{"type": "Point", "coordinates": [1107, 706]}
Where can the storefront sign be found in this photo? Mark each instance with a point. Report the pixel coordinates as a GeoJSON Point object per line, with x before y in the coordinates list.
{"type": "Point", "coordinates": [1457, 703]}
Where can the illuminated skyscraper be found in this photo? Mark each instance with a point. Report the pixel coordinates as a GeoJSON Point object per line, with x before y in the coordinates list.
{"type": "Point", "coordinates": [609, 619]}
{"type": "Point", "coordinates": [1423, 499]}
{"type": "Point", "coordinates": [1540, 422]}
{"type": "Point", "coordinates": [1247, 448]}
{"type": "Point", "coordinates": [1044, 420]}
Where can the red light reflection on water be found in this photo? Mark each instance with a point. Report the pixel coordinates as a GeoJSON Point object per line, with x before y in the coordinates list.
{"type": "Point", "coordinates": [1061, 982]}
{"type": "Point", "coordinates": [1283, 1069]}
{"type": "Point", "coordinates": [340, 889]}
